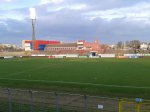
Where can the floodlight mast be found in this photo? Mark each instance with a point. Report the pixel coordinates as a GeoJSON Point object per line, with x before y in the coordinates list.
{"type": "Point", "coordinates": [33, 34]}
{"type": "Point", "coordinates": [33, 20]}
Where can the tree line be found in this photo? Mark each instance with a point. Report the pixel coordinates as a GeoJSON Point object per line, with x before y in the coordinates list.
{"type": "Point", "coordinates": [134, 45]}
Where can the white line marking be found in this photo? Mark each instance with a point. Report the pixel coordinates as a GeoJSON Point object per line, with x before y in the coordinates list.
{"type": "Point", "coordinates": [63, 82]}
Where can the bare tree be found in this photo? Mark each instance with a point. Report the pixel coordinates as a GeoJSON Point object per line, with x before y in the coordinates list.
{"type": "Point", "coordinates": [128, 44]}
{"type": "Point", "coordinates": [148, 47]}
{"type": "Point", "coordinates": [135, 44]}
{"type": "Point", "coordinates": [120, 45]}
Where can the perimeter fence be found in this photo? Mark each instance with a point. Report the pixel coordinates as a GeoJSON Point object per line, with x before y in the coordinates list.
{"type": "Point", "coordinates": [15, 100]}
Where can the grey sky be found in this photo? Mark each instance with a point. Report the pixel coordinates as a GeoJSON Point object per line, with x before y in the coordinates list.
{"type": "Point", "coordinates": [70, 20]}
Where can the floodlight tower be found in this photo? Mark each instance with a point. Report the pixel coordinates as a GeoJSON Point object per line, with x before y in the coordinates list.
{"type": "Point", "coordinates": [33, 19]}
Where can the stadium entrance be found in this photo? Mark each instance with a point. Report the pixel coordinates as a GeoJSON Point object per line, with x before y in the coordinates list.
{"type": "Point", "coordinates": [93, 53]}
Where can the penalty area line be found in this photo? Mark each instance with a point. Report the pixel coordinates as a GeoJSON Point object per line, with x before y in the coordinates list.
{"type": "Point", "coordinates": [77, 83]}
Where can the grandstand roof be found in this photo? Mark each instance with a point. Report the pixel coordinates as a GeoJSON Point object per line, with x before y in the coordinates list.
{"type": "Point", "coordinates": [63, 45]}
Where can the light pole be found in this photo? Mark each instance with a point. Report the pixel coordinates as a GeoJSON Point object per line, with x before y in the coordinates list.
{"type": "Point", "coordinates": [33, 19]}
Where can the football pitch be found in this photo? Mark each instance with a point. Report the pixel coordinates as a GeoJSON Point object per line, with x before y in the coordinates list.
{"type": "Point", "coordinates": [106, 77]}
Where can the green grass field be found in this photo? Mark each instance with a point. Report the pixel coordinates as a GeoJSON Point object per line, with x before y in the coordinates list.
{"type": "Point", "coordinates": [105, 77]}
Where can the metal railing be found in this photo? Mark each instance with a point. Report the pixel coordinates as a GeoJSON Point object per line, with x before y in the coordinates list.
{"type": "Point", "coordinates": [16, 100]}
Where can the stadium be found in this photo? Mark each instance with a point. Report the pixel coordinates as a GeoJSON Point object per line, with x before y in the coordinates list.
{"type": "Point", "coordinates": [82, 56]}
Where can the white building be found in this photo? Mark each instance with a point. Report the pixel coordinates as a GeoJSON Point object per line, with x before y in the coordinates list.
{"type": "Point", "coordinates": [26, 45]}
{"type": "Point", "coordinates": [113, 46]}
{"type": "Point", "coordinates": [144, 46]}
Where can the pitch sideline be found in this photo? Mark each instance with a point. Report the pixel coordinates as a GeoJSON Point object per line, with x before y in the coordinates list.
{"type": "Point", "coordinates": [76, 83]}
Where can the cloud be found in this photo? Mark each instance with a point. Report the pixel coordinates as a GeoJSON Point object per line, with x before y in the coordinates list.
{"type": "Point", "coordinates": [73, 26]}
{"type": "Point", "coordinates": [51, 1]}
{"type": "Point", "coordinates": [74, 7]}
{"type": "Point", "coordinates": [71, 20]}
{"type": "Point", "coordinates": [16, 15]}
{"type": "Point", "coordinates": [137, 12]}
{"type": "Point", "coordinates": [7, 0]}
{"type": "Point", "coordinates": [14, 31]}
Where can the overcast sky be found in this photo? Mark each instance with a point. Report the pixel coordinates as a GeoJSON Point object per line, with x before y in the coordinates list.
{"type": "Point", "coordinates": [70, 20]}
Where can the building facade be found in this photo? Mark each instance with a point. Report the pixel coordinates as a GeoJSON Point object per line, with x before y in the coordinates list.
{"type": "Point", "coordinates": [80, 47]}
{"type": "Point", "coordinates": [39, 44]}
{"type": "Point", "coordinates": [56, 47]}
